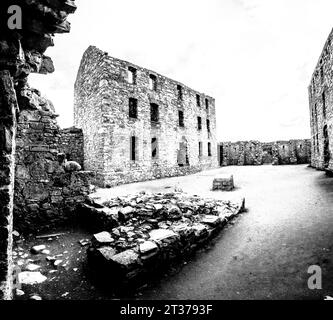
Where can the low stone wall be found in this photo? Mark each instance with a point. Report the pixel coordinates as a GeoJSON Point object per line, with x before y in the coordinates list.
{"type": "Point", "coordinates": [257, 153]}
{"type": "Point", "coordinates": [71, 144]}
{"type": "Point", "coordinates": [143, 233]}
{"type": "Point", "coordinates": [119, 177]}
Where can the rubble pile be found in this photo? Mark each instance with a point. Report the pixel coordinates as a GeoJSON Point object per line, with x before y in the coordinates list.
{"type": "Point", "coordinates": [146, 231]}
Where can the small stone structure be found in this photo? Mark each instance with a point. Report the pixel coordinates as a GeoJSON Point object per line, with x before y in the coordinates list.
{"type": "Point", "coordinates": [139, 125]}
{"type": "Point", "coordinates": [321, 109]}
{"type": "Point", "coordinates": [223, 183]}
{"type": "Point", "coordinates": [257, 153]}
{"type": "Point", "coordinates": [144, 233]}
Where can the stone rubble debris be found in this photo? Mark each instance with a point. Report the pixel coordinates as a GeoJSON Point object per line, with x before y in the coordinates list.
{"type": "Point", "coordinates": [152, 229]}
{"type": "Point", "coordinates": [31, 278]}
{"type": "Point", "coordinates": [38, 249]}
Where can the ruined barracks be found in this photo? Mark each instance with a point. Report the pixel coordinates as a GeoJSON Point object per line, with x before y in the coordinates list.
{"type": "Point", "coordinates": [321, 109]}
{"type": "Point", "coordinates": [139, 125]}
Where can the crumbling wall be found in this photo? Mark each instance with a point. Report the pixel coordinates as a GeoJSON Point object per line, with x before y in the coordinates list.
{"type": "Point", "coordinates": [241, 153]}
{"type": "Point", "coordinates": [24, 38]}
{"type": "Point", "coordinates": [8, 109]}
{"type": "Point", "coordinates": [71, 144]}
{"type": "Point", "coordinates": [291, 152]}
{"type": "Point", "coordinates": [102, 109]}
{"type": "Point", "coordinates": [45, 194]}
{"type": "Point", "coordinates": [257, 153]}
{"type": "Point", "coordinates": [321, 109]}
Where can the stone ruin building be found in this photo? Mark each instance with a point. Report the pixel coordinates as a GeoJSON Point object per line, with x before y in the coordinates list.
{"type": "Point", "coordinates": [257, 153]}
{"type": "Point", "coordinates": [139, 125]}
{"type": "Point", "coordinates": [29, 136]}
{"type": "Point", "coordinates": [321, 109]}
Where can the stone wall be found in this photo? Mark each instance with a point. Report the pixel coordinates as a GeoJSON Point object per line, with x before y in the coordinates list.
{"type": "Point", "coordinates": [321, 109]}
{"type": "Point", "coordinates": [45, 194]}
{"type": "Point", "coordinates": [163, 146]}
{"type": "Point", "coordinates": [240, 153]}
{"type": "Point", "coordinates": [291, 152]}
{"type": "Point", "coordinates": [22, 49]}
{"type": "Point", "coordinates": [71, 144]}
{"type": "Point", "coordinates": [8, 109]}
{"type": "Point", "coordinates": [257, 153]}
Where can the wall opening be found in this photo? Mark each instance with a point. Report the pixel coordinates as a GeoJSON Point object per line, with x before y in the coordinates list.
{"type": "Point", "coordinates": [133, 148]}
{"type": "Point", "coordinates": [327, 154]}
{"type": "Point", "coordinates": [199, 123]}
{"type": "Point", "coordinates": [209, 149]}
{"type": "Point", "coordinates": [181, 118]}
{"type": "Point", "coordinates": [198, 100]}
{"type": "Point", "coordinates": [154, 112]}
{"type": "Point", "coordinates": [153, 82]}
{"type": "Point", "coordinates": [182, 157]}
{"type": "Point", "coordinates": [131, 73]}
{"type": "Point", "coordinates": [133, 108]}
{"type": "Point", "coordinates": [154, 148]}
{"type": "Point", "coordinates": [180, 92]}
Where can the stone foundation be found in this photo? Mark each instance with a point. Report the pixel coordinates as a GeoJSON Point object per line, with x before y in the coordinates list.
{"type": "Point", "coordinates": [146, 232]}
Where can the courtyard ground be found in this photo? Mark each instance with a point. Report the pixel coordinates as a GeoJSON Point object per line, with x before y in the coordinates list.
{"type": "Point", "coordinates": [265, 254]}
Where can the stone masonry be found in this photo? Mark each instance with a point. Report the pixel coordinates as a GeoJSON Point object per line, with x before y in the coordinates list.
{"type": "Point", "coordinates": [257, 153]}
{"type": "Point", "coordinates": [139, 125]}
{"type": "Point", "coordinates": [22, 49]}
{"type": "Point", "coordinates": [321, 109]}
{"type": "Point", "coordinates": [46, 195]}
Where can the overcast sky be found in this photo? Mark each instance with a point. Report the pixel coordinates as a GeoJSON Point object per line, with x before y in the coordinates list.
{"type": "Point", "coordinates": [255, 57]}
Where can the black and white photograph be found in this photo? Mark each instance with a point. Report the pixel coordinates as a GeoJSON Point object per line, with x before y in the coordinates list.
{"type": "Point", "coordinates": [176, 150]}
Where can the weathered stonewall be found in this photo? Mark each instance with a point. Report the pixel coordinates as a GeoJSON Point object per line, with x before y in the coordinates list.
{"type": "Point", "coordinates": [22, 51]}
{"type": "Point", "coordinates": [321, 109]}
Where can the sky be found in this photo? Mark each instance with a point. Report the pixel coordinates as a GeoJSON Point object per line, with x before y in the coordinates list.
{"type": "Point", "coordinates": [255, 57]}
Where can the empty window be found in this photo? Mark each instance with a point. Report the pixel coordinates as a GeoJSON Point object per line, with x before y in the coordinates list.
{"type": "Point", "coordinates": [154, 148]}
{"type": "Point", "coordinates": [199, 123]}
{"type": "Point", "coordinates": [180, 92]}
{"type": "Point", "coordinates": [198, 100]}
{"type": "Point", "coordinates": [207, 103]}
{"type": "Point", "coordinates": [181, 118]}
{"type": "Point", "coordinates": [132, 75]}
{"type": "Point", "coordinates": [322, 73]}
{"type": "Point", "coordinates": [200, 149]}
{"type": "Point", "coordinates": [133, 108]}
{"type": "Point", "coordinates": [209, 149]}
{"type": "Point", "coordinates": [153, 82]}
{"type": "Point", "coordinates": [208, 125]}
{"type": "Point", "coordinates": [324, 104]}
{"type": "Point", "coordinates": [154, 113]}
{"type": "Point", "coordinates": [133, 148]}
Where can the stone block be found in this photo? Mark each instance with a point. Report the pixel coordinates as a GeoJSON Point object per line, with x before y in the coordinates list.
{"type": "Point", "coordinates": [223, 183]}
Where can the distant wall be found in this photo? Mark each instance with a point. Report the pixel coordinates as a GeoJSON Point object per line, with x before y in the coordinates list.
{"type": "Point", "coordinates": [257, 153]}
